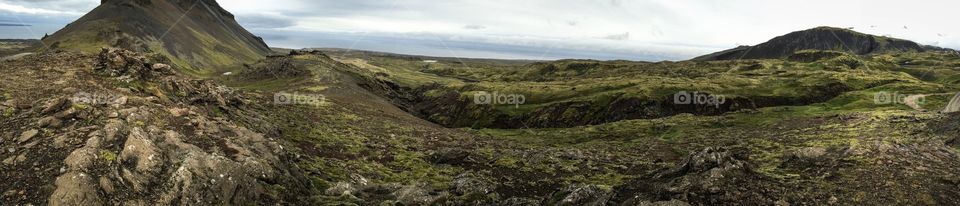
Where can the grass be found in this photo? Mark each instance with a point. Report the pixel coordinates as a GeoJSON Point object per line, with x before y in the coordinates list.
{"type": "Point", "coordinates": [344, 142]}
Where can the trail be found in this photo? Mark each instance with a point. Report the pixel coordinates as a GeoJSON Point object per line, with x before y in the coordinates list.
{"type": "Point", "coordinates": [15, 56]}
{"type": "Point", "coordinates": [953, 105]}
{"type": "Point", "coordinates": [912, 101]}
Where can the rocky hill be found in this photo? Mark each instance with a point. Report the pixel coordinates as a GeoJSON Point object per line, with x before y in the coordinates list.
{"type": "Point", "coordinates": [193, 34]}
{"type": "Point", "coordinates": [820, 38]}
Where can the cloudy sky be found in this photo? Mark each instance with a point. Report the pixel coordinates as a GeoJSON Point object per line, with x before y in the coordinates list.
{"type": "Point", "coordinates": [539, 29]}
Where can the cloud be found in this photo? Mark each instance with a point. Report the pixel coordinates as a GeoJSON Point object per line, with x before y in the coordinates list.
{"type": "Point", "coordinates": [12, 24]}
{"type": "Point", "coordinates": [270, 21]}
{"type": "Point", "coordinates": [618, 37]}
{"type": "Point", "coordinates": [474, 27]}
{"type": "Point", "coordinates": [677, 28]}
{"type": "Point", "coordinates": [48, 7]}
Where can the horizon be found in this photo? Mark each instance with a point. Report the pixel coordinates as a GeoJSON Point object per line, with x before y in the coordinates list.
{"type": "Point", "coordinates": [601, 30]}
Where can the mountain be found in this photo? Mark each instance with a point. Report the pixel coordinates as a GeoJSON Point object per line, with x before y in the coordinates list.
{"type": "Point", "coordinates": [820, 38]}
{"type": "Point", "coordinates": [192, 33]}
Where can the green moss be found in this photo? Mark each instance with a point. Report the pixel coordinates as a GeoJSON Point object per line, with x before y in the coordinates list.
{"type": "Point", "coordinates": [9, 112]}
{"type": "Point", "coordinates": [507, 162]}
{"type": "Point", "coordinates": [108, 155]}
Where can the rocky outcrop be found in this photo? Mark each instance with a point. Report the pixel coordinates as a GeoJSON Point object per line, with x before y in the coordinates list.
{"type": "Point", "coordinates": [708, 177]}
{"type": "Point", "coordinates": [126, 64]}
{"type": "Point", "coordinates": [145, 148]}
{"type": "Point", "coordinates": [273, 68]}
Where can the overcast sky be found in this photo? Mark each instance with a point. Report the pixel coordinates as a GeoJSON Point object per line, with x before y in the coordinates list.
{"type": "Point", "coordinates": [540, 29]}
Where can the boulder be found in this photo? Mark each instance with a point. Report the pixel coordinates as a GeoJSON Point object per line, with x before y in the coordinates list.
{"type": "Point", "coordinates": [587, 195]}
{"type": "Point", "coordinates": [75, 188]}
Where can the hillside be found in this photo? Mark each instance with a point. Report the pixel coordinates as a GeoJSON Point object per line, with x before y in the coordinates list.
{"type": "Point", "coordinates": [820, 38]}
{"type": "Point", "coordinates": [194, 34]}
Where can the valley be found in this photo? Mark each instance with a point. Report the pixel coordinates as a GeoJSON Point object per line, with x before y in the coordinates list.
{"type": "Point", "coordinates": [105, 112]}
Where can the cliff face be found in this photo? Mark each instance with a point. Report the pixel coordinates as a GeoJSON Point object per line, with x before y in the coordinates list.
{"type": "Point", "coordinates": [192, 33]}
{"type": "Point", "coordinates": [821, 38]}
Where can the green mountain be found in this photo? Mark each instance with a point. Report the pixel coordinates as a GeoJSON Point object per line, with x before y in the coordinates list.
{"type": "Point", "coordinates": [192, 33]}
{"type": "Point", "coordinates": [820, 38]}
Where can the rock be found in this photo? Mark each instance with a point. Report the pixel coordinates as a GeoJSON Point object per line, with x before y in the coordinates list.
{"type": "Point", "coordinates": [26, 136]}
{"type": "Point", "coordinates": [710, 176]}
{"type": "Point", "coordinates": [519, 201]}
{"type": "Point", "coordinates": [468, 183]}
{"type": "Point", "coordinates": [120, 62]}
{"type": "Point", "coordinates": [75, 188]}
{"type": "Point", "coordinates": [203, 92]}
{"type": "Point", "coordinates": [53, 105]}
{"type": "Point", "coordinates": [162, 68]}
{"type": "Point", "coordinates": [31, 144]}
{"type": "Point", "coordinates": [413, 195]}
{"type": "Point", "coordinates": [112, 130]}
{"type": "Point", "coordinates": [9, 160]}
{"type": "Point", "coordinates": [49, 122]}
{"type": "Point", "coordinates": [588, 195]}
{"type": "Point", "coordinates": [178, 112]}
{"type": "Point", "coordinates": [61, 141]}
{"type": "Point", "coordinates": [450, 156]}
{"type": "Point", "coordinates": [67, 114]}
{"type": "Point", "coordinates": [119, 102]}
{"type": "Point", "coordinates": [341, 188]}
{"type": "Point", "coordinates": [146, 158]}
{"type": "Point", "coordinates": [106, 185]}
{"type": "Point", "coordinates": [81, 159]}
{"type": "Point", "coordinates": [664, 203]}
{"type": "Point", "coordinates": [9, 193]}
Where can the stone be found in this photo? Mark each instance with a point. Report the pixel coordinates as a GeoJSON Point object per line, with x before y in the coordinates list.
{"type": "Point", "coordinates": [49, 122]}
{"type": "Point", "coordinates": [468, 183]}
{"type": "Point", "coordinates": [21, 158]}
{"type": "Point", "coordinates": [665, 203]}
{"type": "Point", "coordinates": [26, 136]}
{"type": "Point", "coordinates": [413, 195]}
{"type": "Point", "coordinates": [75, 188]}
{"type": "Point", "coordinates": [579, 195]}
{"type": "Point", "coordinates": [146, 156]}
{"type": "Point", "coordinates": [53, 105]}
{"type": "Point", "coordinates": [81, 159]}
{"type": "Point", "coordinates": [341, 188]}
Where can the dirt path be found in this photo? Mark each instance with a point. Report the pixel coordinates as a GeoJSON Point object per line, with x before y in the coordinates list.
{"type": "Point", "coordinates": [15, 56]}
{"type": "Point", "coordinates": [912, 100]}
{"type": "Point", "coordinates": [953, 105]}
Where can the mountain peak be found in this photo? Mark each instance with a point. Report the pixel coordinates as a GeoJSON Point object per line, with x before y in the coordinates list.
{"type": "Point", "coordinates": [192, 33]}
{"type": "Point", "coordinates": [819, 38]}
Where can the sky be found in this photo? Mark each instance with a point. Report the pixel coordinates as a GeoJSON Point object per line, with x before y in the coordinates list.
{"type": "Point", "coordinates": [648, 30]}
